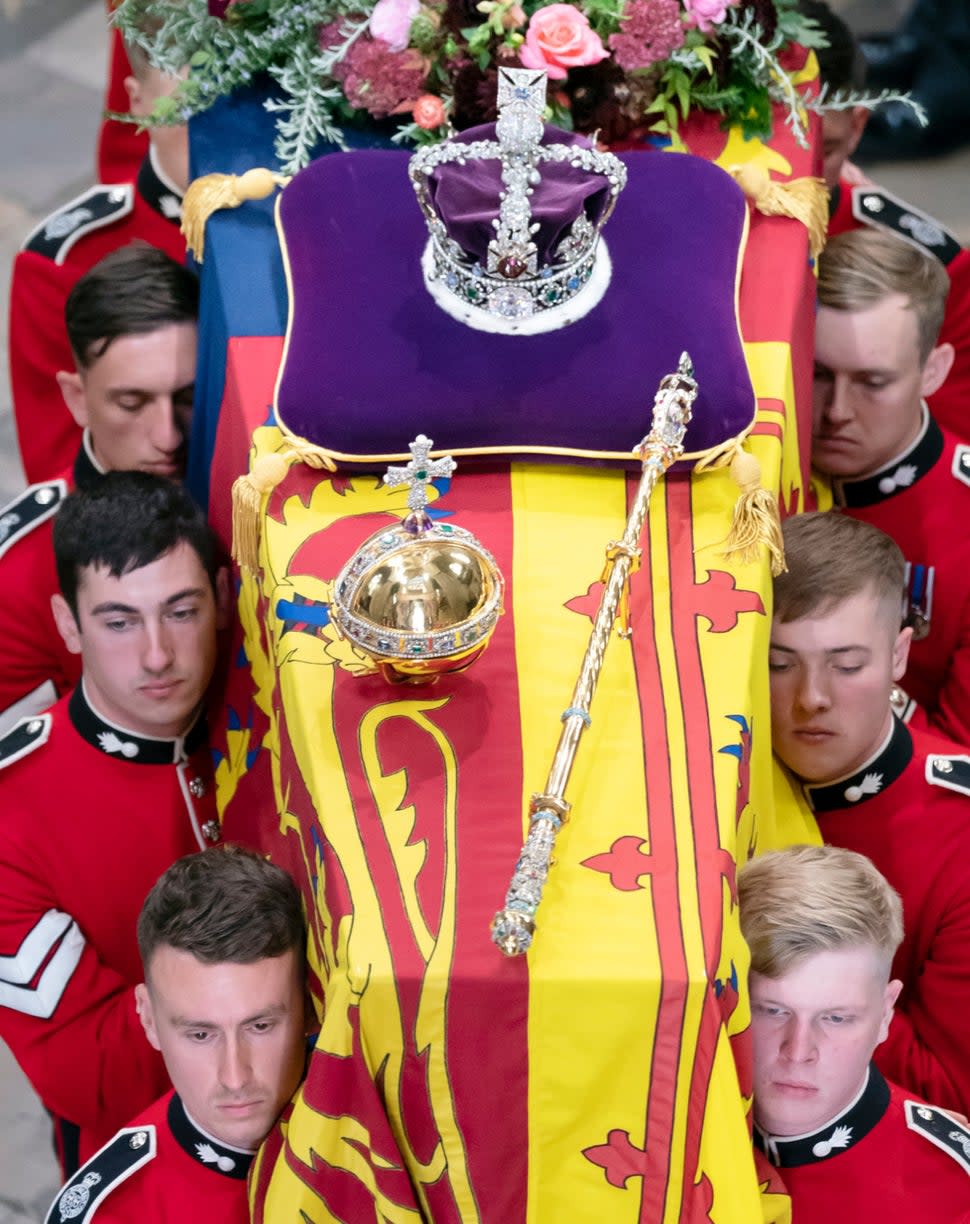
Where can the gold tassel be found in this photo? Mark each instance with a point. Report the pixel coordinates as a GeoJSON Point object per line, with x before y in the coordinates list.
{"type": "Point", "coordinates": [805, 199]}
{"type": "Point", "coordinates": [756, 520]}
{"type": "Point", "coordinates": [247, 501]}
{"type": "Point", "coordinates": [213, 192]}
{"type": "Point", "coordinates": [268, 472]}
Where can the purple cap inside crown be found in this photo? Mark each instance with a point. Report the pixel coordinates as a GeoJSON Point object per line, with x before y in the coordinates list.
{"type": "Point", "coordinates": [466, 197]}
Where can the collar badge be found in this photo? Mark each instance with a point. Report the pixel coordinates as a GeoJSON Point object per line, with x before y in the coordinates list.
{"type": "Point", "coordinates": [902, 478]}
{"type": "Point", "coordinates": [871, 784]}
{"type": "Point", "coordinates": [208, 1155]}
{"type": "Point", "coordinates": [109, 742]}
{"type": "Point", "coordinates": [841, 1137]}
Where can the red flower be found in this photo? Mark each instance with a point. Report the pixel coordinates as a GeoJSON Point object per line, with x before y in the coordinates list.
{"type": "Point", "coordinates": [429, 112]}
{"type": "Point", "coordinates": [374, 77]}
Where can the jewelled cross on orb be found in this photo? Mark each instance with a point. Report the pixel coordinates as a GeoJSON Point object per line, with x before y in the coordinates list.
{"type": "Point", "coordinates": [417, 475]}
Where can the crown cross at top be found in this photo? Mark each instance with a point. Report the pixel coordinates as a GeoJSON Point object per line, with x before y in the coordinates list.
{"type": "Point", "coordinates": [521, 100]}
{"type": "Point", "coordinates": [418, 474]}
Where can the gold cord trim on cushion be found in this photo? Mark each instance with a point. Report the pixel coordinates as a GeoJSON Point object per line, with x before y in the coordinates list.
{"type": "Point", "coordinates": [212, 192]}
{"type": "Point", "coordinates": [805, 199]}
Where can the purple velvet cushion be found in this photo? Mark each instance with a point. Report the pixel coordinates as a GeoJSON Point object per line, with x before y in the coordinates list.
{"type": "Point", "coordinates": [371, 361]}
{"type": "Point", "coordinates": [466, 197]}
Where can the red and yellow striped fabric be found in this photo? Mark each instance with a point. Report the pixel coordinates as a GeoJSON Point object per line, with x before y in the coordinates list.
{"type": "Point", "coordinates": [606, 1075]}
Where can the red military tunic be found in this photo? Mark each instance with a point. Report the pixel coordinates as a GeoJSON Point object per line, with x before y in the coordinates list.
{"type": "Point", "coordinates": [889, 1158]}
{"type": "Point", "coordinates": [855, 207]}
{"type": "Point", "coordinates": [58, 252]}
{"type": "Point", "coordinates": [35, 666]}
{"type": "Point", "coordinates": [90, 817]}
{"type": "Point", "coordinates": [922, 500]}
{"type": "Point", "coordinates": [908, 809]}
{"type": "Point", "coordinates": [162, 1169]}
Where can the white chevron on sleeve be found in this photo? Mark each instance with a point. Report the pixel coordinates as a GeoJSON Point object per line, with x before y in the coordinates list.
{"type": "Point", "coordinates": [18, 971]}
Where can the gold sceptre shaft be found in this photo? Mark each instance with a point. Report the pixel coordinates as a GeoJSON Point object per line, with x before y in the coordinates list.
{"type": "Point", "coordinates": [514, 926]}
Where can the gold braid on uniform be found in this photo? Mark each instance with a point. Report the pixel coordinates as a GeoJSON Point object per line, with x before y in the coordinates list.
{"type": "Point", "coordinates": [213, 192]}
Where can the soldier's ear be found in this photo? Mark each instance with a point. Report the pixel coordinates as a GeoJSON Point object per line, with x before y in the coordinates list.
{"type": "Point", "coordinates": [72, 389]}
{"type": "Point", "coordinates": [136, 100]}
{"type": "Point", "coordinates": [66, 623]}
{"type": "Point", "coordinates": [937, 367]}
{"type": "Point", "coordinates": [859, 118]}
{"type": "Point", "coordinates": [223, 598]}
{"type": "Point", "coordinates": [901, 652]}
{"type": "Point", "coordinates": [888, 1004]}
{"type": "Point", "coordinates": [143, 1005]}
{"type": "Point", "coordinates": [311, 1025]}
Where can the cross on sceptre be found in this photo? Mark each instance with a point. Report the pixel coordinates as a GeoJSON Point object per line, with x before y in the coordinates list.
{"type": "Point", "coordinates": [418, 474]}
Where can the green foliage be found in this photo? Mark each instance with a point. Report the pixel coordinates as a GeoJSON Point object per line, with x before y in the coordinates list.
{"type": "Point", "coordinates": [273, 36]}
{"type": "Point", "coordinates": [733, 70]}
{"type": "Point", "coordinates": [604, 15]}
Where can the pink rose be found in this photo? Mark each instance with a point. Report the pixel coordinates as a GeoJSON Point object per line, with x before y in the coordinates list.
{"type": "Point", "coordinates": [391, 21]}
{"type": "Point", "coordinates": [429, 112]}
{"type": "Point", "coordinates": [708, 13]}
{"type": "Point", "coordinates": [559, 38]}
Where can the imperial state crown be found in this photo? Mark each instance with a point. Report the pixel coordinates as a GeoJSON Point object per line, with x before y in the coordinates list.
{"type": "Point", "coordinates": [515, 211]}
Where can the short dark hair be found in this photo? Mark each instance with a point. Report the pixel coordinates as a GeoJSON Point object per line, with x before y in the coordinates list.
{"type": "Point", "coordinates": [832, 557]}
{"type": "Point", "coordinates": [223, 905]}
{"type": "Point", "coordinates": [125, 521]}
{"type": "Point", "coordinates": [841, 65]}
{"type": "Point", "coordinates": [134, 290]}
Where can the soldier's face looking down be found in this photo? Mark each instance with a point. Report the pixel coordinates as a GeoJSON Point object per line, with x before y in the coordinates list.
{"type": "Point", "coordinates": [232, 1036]}
{"type": "Point", "coordinates": [814, 1030]}
{"type": "Point", "coordinates": [831, 677]}
{"type": "Point", "coordinates": [868, 385]}
{"type": "Point", "coordinates": [147, 640]}
{"type": "Point", "coordinates": [136, 399]}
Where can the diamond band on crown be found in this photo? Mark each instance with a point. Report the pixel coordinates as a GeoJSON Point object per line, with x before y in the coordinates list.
{"type": "Point", "coordinates": [513, 292]}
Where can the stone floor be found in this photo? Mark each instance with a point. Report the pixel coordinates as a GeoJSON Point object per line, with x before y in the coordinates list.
{"type": "Point", "coordinates": [50, 98]}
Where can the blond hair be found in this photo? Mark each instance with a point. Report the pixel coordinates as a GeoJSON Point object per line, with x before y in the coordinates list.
{"type": "Point", "coordinates": [832, 557]}
{"type": "Point", "coordinates": [808, 899]}
{"type": "Point", "coordinates": [861, 268]}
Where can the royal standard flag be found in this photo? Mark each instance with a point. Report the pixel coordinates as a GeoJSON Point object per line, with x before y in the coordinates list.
{"type": "Point", "coordinates": [605, 1075]}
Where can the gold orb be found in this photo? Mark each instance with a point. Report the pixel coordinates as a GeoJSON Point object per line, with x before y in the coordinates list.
{"type": "Point", "coordinates": [420, 600]}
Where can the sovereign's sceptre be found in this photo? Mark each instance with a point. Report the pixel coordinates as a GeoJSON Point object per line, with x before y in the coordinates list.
{"type": "Point", "coordinates": [514, 926]}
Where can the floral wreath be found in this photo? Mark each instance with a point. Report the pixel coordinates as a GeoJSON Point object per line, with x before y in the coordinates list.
{"type": "Point", "coordinates": [623, 68]}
